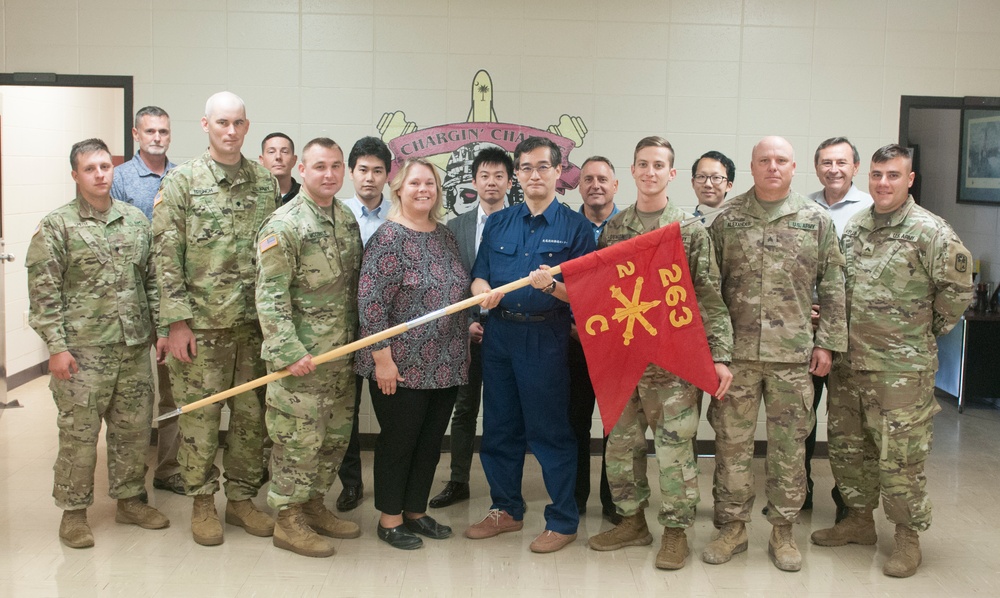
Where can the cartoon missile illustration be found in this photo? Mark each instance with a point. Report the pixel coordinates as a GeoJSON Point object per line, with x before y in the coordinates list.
{"type": "Point", "coordinates": [482, 99]}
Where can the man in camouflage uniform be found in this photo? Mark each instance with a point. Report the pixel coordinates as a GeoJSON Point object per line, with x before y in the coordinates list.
{"type": "Point", "coordinates": [662, 401]}
{"type": "Point", "coordinates": [774, 248]}
{"type": "Point", "coordinates": [908, 281]}
{"type": "Point", "coordinates": [205, 222]}
{"type": "Point", "coordinates": [92, 292]}
{"type": "Point", "coordinates": [309, 255]}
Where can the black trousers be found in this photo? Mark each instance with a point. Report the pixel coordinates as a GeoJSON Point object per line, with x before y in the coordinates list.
{"type": "Point", "coordinates": [581, 414]}
{"type": "Point", "coordinates": [408, 447]}
{"type": "Point", "coordinates": [350, 467]}
{"type": "Point", "coordinates": [818, 383]}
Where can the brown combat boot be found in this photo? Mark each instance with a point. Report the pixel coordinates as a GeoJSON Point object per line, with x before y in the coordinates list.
{"type": "Point", "coordinates": [781, 547]}
{"type": "Point", "coordinates": [74, 531]}
{"type": "Point", "coordinates": [673, 549]}
{"type": "Point", "coordinates": [732, 539]}
{"type": "Point", "coordinates": [632, 531]}
{"type": "Point", "coordinates": [905, 556]}
{"type": "Point", "coordinates": [857, 528]}
{"type": "Point", "coordinates": [326, 523]}
{"type": "Point", "coordinates": [205, 526]}
{"type": "Point", "coordinates": [291, 532]}
{"type": "Point", "coordinates": [245, 514]}
{"type": "Point", "coordinates": [132, 510]}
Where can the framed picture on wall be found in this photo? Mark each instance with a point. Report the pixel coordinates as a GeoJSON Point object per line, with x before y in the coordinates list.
{"type": "Point", "coordinates": [979, 158]}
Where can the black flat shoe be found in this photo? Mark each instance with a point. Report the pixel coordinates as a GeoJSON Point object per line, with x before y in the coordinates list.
{"type": "Point", "coordinates": [426, 526]}
{"type": "Point", "coordinates": [399, 537]}
{"type": "Point", "coordinates": [453, 492]}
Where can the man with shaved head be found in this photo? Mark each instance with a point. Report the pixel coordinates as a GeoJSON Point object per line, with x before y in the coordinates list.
{"type": "Point", "coordinates": [774, 248]}
{"type": "Point", "coordinates": [205, 223]}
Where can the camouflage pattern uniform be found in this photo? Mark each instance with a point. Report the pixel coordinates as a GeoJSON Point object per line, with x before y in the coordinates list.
{"type": "Point", "coordinates": [307, 301]}
{"type": "Point", "coordinates": [907, 283]}
{"type": "Point", "coordinates": [92, 288]}
{"type": "Point", "coordinates": [662, 401]}
{"type": "Point", "coordinates": [205, 227]}
{"type": "Point", "coordinates": [770, 265]}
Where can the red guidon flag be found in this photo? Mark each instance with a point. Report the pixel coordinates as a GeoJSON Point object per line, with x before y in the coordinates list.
{"type": "Point", "coordinates": [634, 304]}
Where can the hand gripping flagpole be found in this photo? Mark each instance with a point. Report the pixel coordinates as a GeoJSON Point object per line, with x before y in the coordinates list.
{"type": "Point", "coordinates": [372, 339]}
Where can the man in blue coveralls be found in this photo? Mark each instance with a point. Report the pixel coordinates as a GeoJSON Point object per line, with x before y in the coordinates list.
{"type": "Point", "coordinates": [525, 368]}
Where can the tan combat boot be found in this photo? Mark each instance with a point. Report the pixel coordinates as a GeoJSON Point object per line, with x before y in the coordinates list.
{"type": "Point", "coordinates": [245, 514]}
{"type": "Point", "coordinates": [632, 531]}
{"type": "Point", "coordinates": [205, 526]}
{"type": "Point", "coordinates": [291, 532]}
{"type": "Point", "coordinates": [326, 523]}
{"type": "Point", "coordinates": [732, 539]}
{"type": "Point", "coordinates": [673, 549]}
{"type": "Point", "coordinates": [905, 556]}
{"type": "Point", "coordinates": [781, 547]}
{"type": "Point", "coordinates": [857, 528]}
{"type": "Point", "coordinates": [132, 510]}
{"type": "Point", "coordinates": [74, 531]}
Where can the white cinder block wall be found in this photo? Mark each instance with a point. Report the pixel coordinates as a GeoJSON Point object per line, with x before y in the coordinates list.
{"type": "Point", "coordinates": [707, 74]}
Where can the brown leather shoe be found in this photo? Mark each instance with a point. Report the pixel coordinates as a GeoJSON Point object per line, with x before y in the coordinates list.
{"type": "Point", "coordinates": [550, 541]}
{"type": "Point", "coordinates": [496, 522]}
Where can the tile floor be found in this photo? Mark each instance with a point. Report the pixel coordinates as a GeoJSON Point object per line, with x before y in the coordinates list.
{"type": "Point", "coordinates": [961, 551]}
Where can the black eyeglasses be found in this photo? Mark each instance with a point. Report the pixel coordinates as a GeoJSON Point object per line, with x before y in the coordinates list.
{"type": "Point", "coordinates": [717, 179]}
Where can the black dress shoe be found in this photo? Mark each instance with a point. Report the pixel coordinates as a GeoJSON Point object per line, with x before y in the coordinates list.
{"type": "Point", "coordinates": [611, 515]}
{"type": "Point", "coordinates": [173, 483]}
{"type": "Point", "coordinates": [581, 507]}
{"type": "Point", "coordinates": [349, 497]}
{"type": "Point", "coordinates": [399, 537]}
{"type": "Point", "coordinates": [453, 492]}
{"type": "Point", "coordinates": [426, 526]}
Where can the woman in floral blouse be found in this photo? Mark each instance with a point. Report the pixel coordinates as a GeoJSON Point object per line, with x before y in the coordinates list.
{"type": "Point", "coordinates": [411, 267]}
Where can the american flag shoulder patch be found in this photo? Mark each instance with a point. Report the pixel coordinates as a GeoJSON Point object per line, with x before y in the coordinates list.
{"type": "Point", "coordinates": [268, 242]}
{"type": "Point", "coordinates": [158, 198]}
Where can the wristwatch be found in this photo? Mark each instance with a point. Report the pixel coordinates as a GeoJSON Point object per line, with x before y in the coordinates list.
{"type": "Point", "coordinates": [549, 289]}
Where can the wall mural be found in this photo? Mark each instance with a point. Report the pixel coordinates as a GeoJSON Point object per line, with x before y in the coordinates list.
{"type": "Point", "coordinates": [452, 147]}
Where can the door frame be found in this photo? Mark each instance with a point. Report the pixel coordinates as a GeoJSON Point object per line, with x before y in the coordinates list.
{"type": "Point", "coordinates": [123, 82]}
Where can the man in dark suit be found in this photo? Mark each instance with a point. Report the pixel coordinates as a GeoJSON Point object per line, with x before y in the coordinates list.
{"type": "Point", "coordinates": [493, 173]}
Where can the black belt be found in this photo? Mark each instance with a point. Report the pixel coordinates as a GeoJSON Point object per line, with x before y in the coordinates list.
{"type": "Point", "coordinates": [542, 316]}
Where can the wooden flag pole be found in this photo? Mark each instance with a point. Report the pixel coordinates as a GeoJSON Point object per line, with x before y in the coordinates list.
{"type": "Point", "coordinates": [358, 344]}
{"type": "Point", "coordinates": [374, 338]}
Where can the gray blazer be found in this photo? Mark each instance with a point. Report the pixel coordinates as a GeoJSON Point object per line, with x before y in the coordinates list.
{"type": "Point", "coordinates": [464, 227]}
